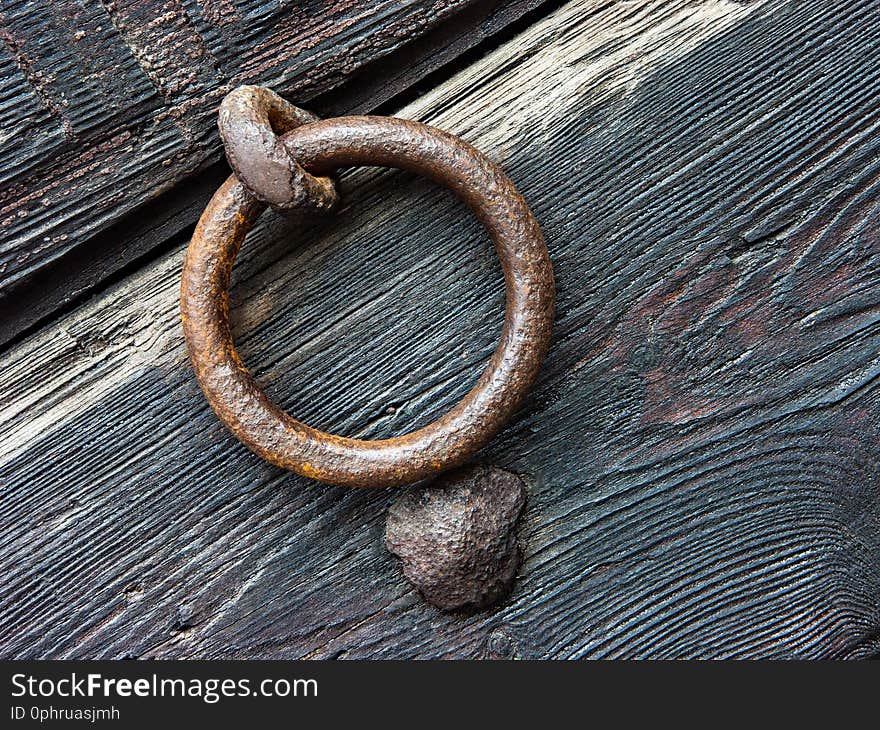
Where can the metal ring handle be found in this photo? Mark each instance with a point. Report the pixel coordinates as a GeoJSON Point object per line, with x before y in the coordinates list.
{"type": "Point", "coordinates": [240, 403]}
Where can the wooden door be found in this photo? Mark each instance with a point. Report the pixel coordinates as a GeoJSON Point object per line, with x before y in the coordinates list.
{"type": "Point", "coordinates": [702, 449]}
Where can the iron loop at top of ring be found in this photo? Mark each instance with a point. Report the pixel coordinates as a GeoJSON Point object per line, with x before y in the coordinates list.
{"type": "Point", "coordinates": [321, 147]}
{"type": "Point", "coordinates": [251, 120]}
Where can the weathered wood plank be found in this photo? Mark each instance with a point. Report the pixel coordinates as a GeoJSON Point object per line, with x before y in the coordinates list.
{"type": "Point", "coordinates": [702, 448]}
{"type": "Point", "coordinates": [107, 105]}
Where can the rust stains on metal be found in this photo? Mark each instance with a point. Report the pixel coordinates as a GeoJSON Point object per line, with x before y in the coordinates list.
{"type": "Point", "coordinates": [319, 148]}
{"type": "Point", "coordinates": [456, 538]}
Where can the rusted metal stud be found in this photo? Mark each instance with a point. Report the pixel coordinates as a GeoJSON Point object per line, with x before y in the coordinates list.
{"type": "Point", "coordinates": [456, 537]}
{"type": "Point", "coordinates": [320, 148]}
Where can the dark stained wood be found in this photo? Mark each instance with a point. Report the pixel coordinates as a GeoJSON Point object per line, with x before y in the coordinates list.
{"type": "Point", "coordinates": [702, 450]}
{"type": "Point", "coordinates": [107, 107]}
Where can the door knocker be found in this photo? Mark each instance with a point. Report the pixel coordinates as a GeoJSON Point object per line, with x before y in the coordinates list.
{"type": "Point", "coordinates": [282, 156]}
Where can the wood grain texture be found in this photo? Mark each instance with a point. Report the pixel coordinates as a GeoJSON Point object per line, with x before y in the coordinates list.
{"type": "Point", "coordinates": [701, 449]}
{"type": "Point", "coordinates": [107, 105]}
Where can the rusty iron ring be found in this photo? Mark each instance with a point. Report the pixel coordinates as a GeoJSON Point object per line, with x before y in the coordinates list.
{"type": "Point", "coordinates": [320, 148]}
